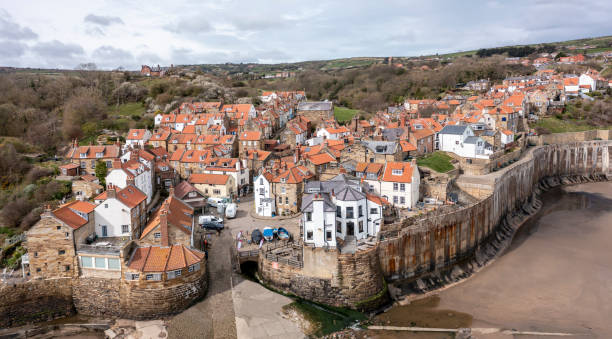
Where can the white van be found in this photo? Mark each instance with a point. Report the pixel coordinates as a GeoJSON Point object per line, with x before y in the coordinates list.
{"type": "Point", "coordinates": [209, 218]}
{"type": "Point", "coordinates": [214, 201]}
{"type": "Point", "coordinates": [230, 210]}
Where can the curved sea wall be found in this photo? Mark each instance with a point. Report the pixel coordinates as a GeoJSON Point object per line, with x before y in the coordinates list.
{"type": "Point", "coordinates": [438, 242]}
{"type": "Point", "coordinates": [422, 248]}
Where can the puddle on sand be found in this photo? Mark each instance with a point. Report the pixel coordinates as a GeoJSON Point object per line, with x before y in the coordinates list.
{"type": "Point", "coordinates": [420, 313]}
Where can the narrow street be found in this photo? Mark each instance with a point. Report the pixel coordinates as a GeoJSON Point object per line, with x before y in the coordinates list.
{"type": "Point", "coordinates": [214, 316]}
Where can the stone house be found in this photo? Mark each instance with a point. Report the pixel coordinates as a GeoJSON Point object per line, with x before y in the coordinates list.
{"type": "Point", "coordinates": [160, 138]}
{"type": "Point", "coordinates": [51, 241]}
{"type": "Point", "coordinates": [87, 156]}
{"type": "Point", "coordinates": [190, 195]}
{"type": "Point", "coordinates": [214, 185]}
{"type": "Point", "coordinates": [287, 188]}
{"type": "Point", "coordinates": [249, 140]}
{"type": "Point", "coordinates": [176, 218]}
{"type": "Point", "coordinates": [424, 140]}
{"type": "Point", "coordinates": [86, 187]}
{"type": "Point", "coordinates": [316, 111]}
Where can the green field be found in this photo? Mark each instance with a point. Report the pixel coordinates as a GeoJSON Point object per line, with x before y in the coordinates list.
{"type": "Point", "coordinates": [344, 114]}
{"type": "Point", "coordinates": [555, 125]}
{"type": "Point", "coordinates": [128, 109]}
{"type": "Point", "coordinates": [439, 162]}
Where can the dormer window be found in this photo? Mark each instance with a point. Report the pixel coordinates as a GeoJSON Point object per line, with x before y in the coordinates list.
{"type": "Point", "coordinates": [135, 134]}
{"type": "Point", "coordinates": [283, 180]}
{"type": "Point", "coordinates": [397, 172]}
{"type": "Point", "coordinates": [174, 141]}
{"type": "Point", "coordinates": [83, 155]}
{"type": "Point", "coordinates": [99, 155]}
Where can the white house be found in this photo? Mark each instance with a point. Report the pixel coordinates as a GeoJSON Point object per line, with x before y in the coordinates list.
{"type": "Point", "coordinates": [138, 137]}
{"type": "Point", "coordinates": [399, 184]}
{"type": "Point", "coordinates": [132, 172]}
{"type": "Point", "coordinates": [158, 119]}
{"type": "Point", "coordinates": [268, 96]}
{"type": "Point", "coordinates": [586, 80]}
{"type": "Point", "coordinates": [460, 139]}
{"type": "Point", "coordinates": [333, 133]}
{"type": "Point", "coordinates": [506, 137]}
{"type": "Point", "coordinates": [339, 208]}
{"type": "Point", "coordinates": [264, 199]}
{"type": "Point", "coordinates": [120, 213]}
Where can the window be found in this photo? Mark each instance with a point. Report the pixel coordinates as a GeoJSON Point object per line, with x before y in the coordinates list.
{"type": "Point", "coordinates": [194, 267]}
{"type": "Point", "coordinates": [93, 164]}
{"type": "Point", "coordinates": [395, 199]}
{"type": "Point", "coordinates": [153, 276]}
{"type": "Point", "coordinates": [402, 200]}
{"type": "Point", "coordinates": [395, 186]}
{"type": "Point", "coordinates": [280, 200]}
{"type": "Point", "coordinates": [456, 142]}
{"type": "Point", "coordinates": [360, 211]}
{"type": "Point", "coordinates": [286, 200]}
{"type": "Point", "coordinates": [338, 226]}
{"type": "Point", "coordinates": [35, 254]}
{"type": "Point", "coordinates": [262, 191]}
{"type": "Point", "coordinates": [67, 268]}
{"type": "Point", "coordinates": [60, 252]}
{"type": "Point", "coordinates": [283, 190]}
{"type": "Point", "coordinates": [157, 235]}
{"type": "Point", "coordinates": [309, 235]}
{"type": "Point", "coordinates": [216, 191]}
{"type": "Point", "coordinates": [125, 228]}
{"type": "Point", "coordinates": [328, 235]}
{"type": "Point", "coordinates": [67, 235]}
{"type": "Point", "coordinates": [113, 264]}
{"type": "Point", "coordinates": [178, 273]}
{"type": "Point", "coordinates": [308, 216]}
{"type": "Point", "coordinates": [373, 210]}
{"type": "Point", "coordinates": [360, 226]}
{"type": "Point", "coordinates": [132, 276]}
{"type": "Point", "coordinates": [83, 165]}
{"type": "Point", "coordinates": [105, 205]}
{"type": "Point", "coordinates": [503, 119]}
{"type": "Point", "coordinates": [403, 187]}
{"type": "Point", "coordinates": [397, 172]}
{"type": "Point", "coordinates": [58, 227]}
{"type": "Point", "coordinates": [349, 213]}
{"type": "Point", "coordinates": [338, 211]}
{"type": "Point", "coordinates": [100, 262]}
{"type": "Point", "coordinates": [87, 262]}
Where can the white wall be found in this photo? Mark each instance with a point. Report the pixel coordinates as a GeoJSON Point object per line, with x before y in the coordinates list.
{"type": "Point", "coordinates": [260, 184]}
{"type": "Point", "coordinates": [320, 223]}
{"type": "Point", "coordinates": [113, 217]}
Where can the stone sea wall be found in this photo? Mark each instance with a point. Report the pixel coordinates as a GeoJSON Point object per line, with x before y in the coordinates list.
{"type": "Point", "coordinates": [357, 282]}
{"type": "Point", "coordinates": [440, 241]}
{"type": "Point", "coordinates": [33, 301]}
{"type": "Point", "coordinates": [417, 248]}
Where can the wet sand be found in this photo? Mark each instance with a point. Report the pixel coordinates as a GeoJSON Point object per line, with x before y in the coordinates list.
{"type": "Point", "coordinates": [555, 277]}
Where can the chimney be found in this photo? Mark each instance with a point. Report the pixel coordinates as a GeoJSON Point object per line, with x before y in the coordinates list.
{"type": "Point", "coordinates": [163, 226]}
{"type": "Point", "coordinates": [130, 181]}
{"type": "Point", "coordinates": [111, 192]}
{"type": "Point", "coordinates": [47, 211]}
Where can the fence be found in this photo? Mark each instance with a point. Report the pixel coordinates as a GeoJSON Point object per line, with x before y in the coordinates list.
{"type": "Point", "coordinates": [284, 260]}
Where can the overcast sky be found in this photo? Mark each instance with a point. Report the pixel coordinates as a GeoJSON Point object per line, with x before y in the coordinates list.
{"type": "Point", "coordinates": [128, 33]}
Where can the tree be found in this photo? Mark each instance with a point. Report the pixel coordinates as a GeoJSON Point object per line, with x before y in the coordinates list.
{"type": "Point", "coordinates": [101, 171]}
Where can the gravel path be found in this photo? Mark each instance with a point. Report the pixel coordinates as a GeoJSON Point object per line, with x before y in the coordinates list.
{"type": "Point", "coordinates": [214, 316]}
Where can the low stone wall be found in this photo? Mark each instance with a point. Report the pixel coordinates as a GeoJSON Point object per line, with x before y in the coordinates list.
{"type": "Point", "coordinates": [570, 137]}
{"type": "Point", "coordinates": [34, 301]}
{"type": "Point", "coordinates": [357, 283]}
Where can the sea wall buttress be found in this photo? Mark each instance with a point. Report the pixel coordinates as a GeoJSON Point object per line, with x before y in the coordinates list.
{"type": "Point", "coordinates": [437, 242]}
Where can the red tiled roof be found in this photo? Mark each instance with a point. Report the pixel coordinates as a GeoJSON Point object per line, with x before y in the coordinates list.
{"type": "Point", "coordinates": [405, 167]}
{"type": "Point", "coordinates": [161, 259]}
{"type": "Point", "coordinates": [206, 178]}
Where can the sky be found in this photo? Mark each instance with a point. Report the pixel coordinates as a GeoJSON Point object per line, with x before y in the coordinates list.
{"type": "Point", "coordinates": [128, 33]}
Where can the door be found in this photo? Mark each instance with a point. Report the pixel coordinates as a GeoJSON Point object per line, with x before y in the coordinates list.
{"type": "Point", "coordinates": [350, 228]}
{"type": "Point", "coordinates": [104, 231]}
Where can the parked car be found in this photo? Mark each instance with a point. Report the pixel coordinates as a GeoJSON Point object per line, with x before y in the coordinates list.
{"type": "Point", "coordinates": [211, 225]}
{"type": "Point", "coordinates": [208, 218]}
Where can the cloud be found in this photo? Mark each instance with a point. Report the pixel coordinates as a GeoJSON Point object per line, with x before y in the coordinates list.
{"type": "Point", "coordinates": [10, 30]}
{"type": "Point", "coordinates": [11, 49]}
{"type": "Point", "coordinates": [111, 57]}
{"type": "Point", "coordinates": [103, 20]}
{"type": "Point", "coordinates": [57, 49]}
{"type": "Point", "coordinates": [189, 26]}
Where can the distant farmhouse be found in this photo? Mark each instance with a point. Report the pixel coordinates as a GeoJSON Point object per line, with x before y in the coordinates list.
{"type": "Point", "coordinates": [153, 71]}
